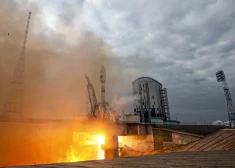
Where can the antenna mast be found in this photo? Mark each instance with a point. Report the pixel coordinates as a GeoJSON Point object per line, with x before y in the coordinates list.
{"type": "Point", "coordinates": [14, 103]}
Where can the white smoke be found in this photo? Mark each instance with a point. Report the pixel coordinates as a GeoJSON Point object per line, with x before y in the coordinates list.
{"type": "Point", "coordinates": [226, 123]}
{"type": "Point", "coordinates": [218, 122]}
{"type": "Point", "coordinates": [123, 105]}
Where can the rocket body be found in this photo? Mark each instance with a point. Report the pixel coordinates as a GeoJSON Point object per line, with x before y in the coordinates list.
{"type": "Point", "coordinates": [103, 92]}
{"type": "Point", "coordinates": [102, 80]}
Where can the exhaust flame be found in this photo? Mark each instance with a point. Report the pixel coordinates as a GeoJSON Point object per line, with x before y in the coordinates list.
{"type": "Point", "coordinates": [100, 139]}
{"type": "Point", "coordinates": [73, 156]}
{"type": "Point", "coordinates": [47, 143]}
{"type": "Point", "coordinates": [79, 151]}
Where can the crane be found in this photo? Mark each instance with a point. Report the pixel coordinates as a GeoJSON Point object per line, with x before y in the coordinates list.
{"type": "Point", "coordinates": [230, 106]}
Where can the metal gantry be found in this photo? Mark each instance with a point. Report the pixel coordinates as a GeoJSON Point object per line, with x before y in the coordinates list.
{"type": "Point", "coordinates": [100, 110]}
{"type": "Point", "coordinates": [94, 106]}
{"type": "Point", "coordinates": [230, 106]}
{"type": "Point", "coordinates": [14, 102]}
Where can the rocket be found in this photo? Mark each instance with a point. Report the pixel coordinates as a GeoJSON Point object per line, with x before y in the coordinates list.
{"type": "Point", "coordinates": [102, 80]}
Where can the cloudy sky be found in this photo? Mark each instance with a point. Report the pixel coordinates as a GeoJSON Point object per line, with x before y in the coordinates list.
{"type": "Point", "coordinates": [180, 43]}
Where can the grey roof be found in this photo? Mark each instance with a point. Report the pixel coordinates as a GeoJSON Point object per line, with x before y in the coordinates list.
{"type": "Point", "coordinates": [147, 77]}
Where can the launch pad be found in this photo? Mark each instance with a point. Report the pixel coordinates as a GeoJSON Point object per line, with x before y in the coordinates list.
{"type": "Point", "coordinates": [100, 110]}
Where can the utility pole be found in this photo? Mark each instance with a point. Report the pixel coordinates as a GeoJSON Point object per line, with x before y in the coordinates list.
{"type": "Point", "coordinates": [14, 103]}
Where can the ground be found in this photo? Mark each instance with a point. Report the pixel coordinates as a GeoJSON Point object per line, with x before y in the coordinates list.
{"type": "Point", "coordinates": [211, 159]}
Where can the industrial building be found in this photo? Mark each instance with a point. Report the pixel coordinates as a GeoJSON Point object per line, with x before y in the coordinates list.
{"type": "Point", "coordinates": [150, 103]}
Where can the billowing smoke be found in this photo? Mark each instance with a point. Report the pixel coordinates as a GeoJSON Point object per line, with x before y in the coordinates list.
{"type": "Point", "coordinates": [55, 64]}
{"type": "Point", "coordinates": [123, 105]}
{"type": "Point", "coordinates": [219, 122]}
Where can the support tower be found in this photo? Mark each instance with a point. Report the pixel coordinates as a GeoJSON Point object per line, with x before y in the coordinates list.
{"type": "Point", "coordinates": [13, 105]}
{"type": "Point", "coordinates": [230, 106]}
{"type": "Point", "coordinates": [94, 106]}
{"type": "Point", "coordinates": [100, 110]}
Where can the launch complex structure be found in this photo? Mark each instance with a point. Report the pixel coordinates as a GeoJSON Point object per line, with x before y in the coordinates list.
{"type": "Point", "coordinates": [100, 110]}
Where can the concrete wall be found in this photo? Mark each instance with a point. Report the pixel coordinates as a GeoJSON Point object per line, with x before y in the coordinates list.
{"type": "Point", "coordinates": [142, 143]}
{"type": "Point", "coordinates": [164, 138]}
{"type": "Point", "coordinates": [182, 139]}
{"type": "Point", "coordinates": [111, 147]}
{"type": "Point", "coordinates": [136, 129]}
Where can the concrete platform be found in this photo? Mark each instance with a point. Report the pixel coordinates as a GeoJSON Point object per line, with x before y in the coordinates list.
{"type": "Point", "coordinates": [211, 159]}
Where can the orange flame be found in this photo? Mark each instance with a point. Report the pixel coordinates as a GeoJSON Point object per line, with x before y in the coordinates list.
{"type": "Point", "coordinates": [74, 155]}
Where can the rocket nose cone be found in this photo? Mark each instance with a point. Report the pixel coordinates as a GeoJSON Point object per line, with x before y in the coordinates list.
{"type": "Point", "coordinates": [102, 70]}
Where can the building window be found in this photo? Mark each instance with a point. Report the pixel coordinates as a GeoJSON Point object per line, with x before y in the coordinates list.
{"type": "Point", "coordinates": [153, 97]}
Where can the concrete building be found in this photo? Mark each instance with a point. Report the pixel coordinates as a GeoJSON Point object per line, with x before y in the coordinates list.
{"type": "Point", "coordinates": [151, 101]}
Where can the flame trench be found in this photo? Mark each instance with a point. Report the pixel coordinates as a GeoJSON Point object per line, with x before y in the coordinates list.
{"type": "Point", "coordinates": [29, 144]}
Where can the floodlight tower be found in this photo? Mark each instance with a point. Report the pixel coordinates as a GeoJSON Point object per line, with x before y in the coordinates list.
{"type": "Point", "coordinates": [230, 106]}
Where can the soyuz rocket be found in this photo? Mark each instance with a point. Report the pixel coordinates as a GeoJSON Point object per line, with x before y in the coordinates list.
{"type": "Point", "coordinates": [102, 80]}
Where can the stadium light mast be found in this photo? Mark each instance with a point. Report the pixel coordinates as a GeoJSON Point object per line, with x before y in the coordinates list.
{"type": "Point", "coordinates": [230, 106]}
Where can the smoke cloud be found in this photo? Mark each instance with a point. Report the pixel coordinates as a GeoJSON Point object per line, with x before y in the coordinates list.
{"type": "Point", "coordinates": [55, 62]}
{"type": "Point", "coordinates": [123, 105]}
